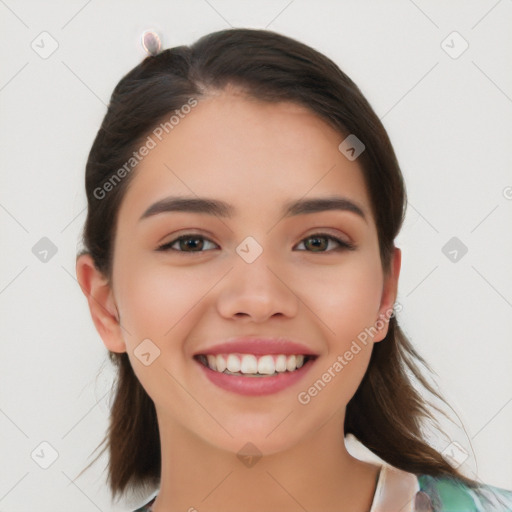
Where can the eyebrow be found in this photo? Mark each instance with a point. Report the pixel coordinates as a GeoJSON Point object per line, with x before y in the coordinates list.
{"type": "Point", "coordinates": [223, 209]}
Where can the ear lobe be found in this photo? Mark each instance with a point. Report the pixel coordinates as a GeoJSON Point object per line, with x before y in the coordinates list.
{"type": "Point", "coordinates": [96, 288]}
{"type": "Point", "coordinates": [389, 294]}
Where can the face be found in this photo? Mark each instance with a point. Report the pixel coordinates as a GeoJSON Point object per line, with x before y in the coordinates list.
{"type": "Point", "coordinates": [312, 277]}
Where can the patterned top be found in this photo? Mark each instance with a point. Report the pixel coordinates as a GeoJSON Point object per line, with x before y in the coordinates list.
{"type": "Point", "coordinates": [425, 493]}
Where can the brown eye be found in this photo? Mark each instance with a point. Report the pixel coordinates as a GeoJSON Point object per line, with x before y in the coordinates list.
{"type": "Point", "coordinates": [319, 242]}
{"type": "Point", "coordinates": [186, 243]}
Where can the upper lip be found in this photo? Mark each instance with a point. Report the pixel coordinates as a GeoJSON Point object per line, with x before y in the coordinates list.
{"type": "Point", "coordinates": [257, 345]}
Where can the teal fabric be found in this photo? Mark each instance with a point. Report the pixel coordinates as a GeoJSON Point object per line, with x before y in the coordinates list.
{"type": "Point", "coordinates": [451, 495]}
{"type": "Point", "coordinates": [448, 495]}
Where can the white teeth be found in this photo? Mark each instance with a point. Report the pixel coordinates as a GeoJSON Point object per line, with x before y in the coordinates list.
{"type": "Point", "coordinates": [233, 363]}
{"type": "Point", "coordinates": [212, 362]}
{"type": "Point", "coordinates": [291, 363]}
{"type": "Point", "coordinates": [281, 363]}
{"type": "Point", "coordinates": [250, 364]}
{"type": "Point", "coordinates": [221, 364]}
{"type": "Point", "coordinates": [266, 365]}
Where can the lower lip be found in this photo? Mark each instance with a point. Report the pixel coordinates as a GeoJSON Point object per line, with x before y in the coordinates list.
{"type": "Point", "coordinates": [255, 386]}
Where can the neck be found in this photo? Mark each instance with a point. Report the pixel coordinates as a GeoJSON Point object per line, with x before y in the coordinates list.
{"type": "Point", "coordinates": [317, 474]}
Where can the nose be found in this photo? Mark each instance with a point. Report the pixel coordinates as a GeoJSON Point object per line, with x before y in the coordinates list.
{"type": "Point", "coordinates": [256, 291]}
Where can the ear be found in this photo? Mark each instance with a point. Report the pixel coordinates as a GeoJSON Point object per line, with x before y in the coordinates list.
{"type": "Point", "coordinates": [389, 293]}
{"type": "Point", "coordinates": [98, 292]}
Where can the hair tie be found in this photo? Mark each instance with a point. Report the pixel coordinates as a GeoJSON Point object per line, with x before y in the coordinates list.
{"type": "Point", "coordinates": [151, 42]}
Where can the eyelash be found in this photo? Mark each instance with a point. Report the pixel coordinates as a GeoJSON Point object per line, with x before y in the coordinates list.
{"type": "Point", "coordinates": [343, 245]}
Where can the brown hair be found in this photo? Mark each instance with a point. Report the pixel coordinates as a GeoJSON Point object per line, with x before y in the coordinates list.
{"type": "Point", "coordinates": [386, 413]}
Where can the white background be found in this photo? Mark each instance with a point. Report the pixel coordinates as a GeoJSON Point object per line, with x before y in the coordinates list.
{"type": "Point", "coordinates": [449, 119]}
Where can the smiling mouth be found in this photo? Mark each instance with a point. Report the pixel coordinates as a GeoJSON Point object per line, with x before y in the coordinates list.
{"type": "Point", "coordinates": [250, 365]}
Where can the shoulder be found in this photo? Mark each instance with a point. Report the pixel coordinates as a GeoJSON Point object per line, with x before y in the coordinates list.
{"type": "Point", "coordinates": [147, 506]}
{"type": "Point", "coordinates": [449, 494]}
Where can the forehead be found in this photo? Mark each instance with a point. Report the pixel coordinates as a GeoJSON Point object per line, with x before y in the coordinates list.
{"type": "Point", "coordinates": [238, 148]}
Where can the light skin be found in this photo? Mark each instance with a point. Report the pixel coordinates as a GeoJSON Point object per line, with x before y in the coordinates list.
{"type": "Point", "coordinates": [256, 156]}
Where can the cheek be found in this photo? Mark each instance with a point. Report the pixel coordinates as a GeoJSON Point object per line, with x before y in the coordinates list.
{"type": "Point", "coordinates": [348, 307]}
{"type": "Point", "coordinates": [346, 299]}
{"type": "Point", "coordinates": [158, 301]}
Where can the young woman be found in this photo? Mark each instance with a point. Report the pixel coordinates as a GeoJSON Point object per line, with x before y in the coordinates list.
{"type": "Point", "coordinates": [240, 267]}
